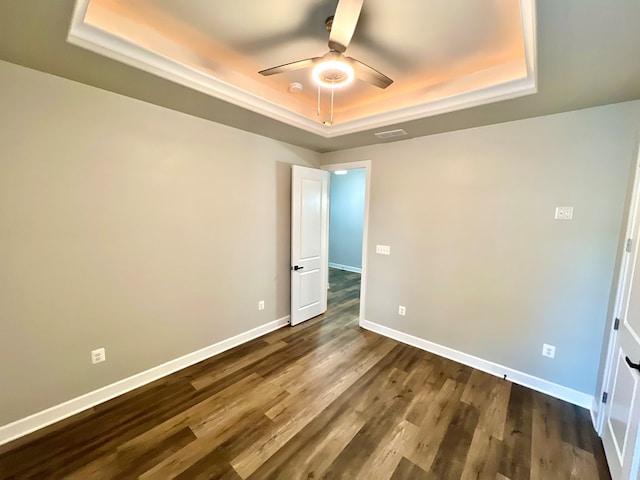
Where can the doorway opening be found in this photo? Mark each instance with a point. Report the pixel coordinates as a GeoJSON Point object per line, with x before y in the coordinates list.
{"type": "Point", "coordinates": [348, 215]}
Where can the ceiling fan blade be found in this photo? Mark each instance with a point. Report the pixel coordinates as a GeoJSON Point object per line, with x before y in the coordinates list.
{"type": "Point", "coordinates": [290, 67]}
{"type": "Point", "coordinates": [344, 24]}
{"type": "Point", "coordinates": [368, 74]}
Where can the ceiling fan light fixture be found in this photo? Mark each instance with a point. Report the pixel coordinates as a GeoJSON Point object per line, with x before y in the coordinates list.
{"type": "Point", "coordinates": [333, 74]}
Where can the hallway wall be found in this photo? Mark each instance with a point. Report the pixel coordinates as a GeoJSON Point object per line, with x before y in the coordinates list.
{"type": "Point", "coordinates": [346, 219]}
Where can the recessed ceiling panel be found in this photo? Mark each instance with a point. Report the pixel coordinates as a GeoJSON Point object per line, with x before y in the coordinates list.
{"type": "Point", "coordinates": [441, 55]}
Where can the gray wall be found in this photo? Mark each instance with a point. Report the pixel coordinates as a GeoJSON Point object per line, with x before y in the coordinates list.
{"type": "Point", "coordinates": [477, 257]}
{"type": "Point", "coordinates": [124, 225]}
{"type": "Point", "coordinates": [128, 226]}
{"type": "Point", "coordinates": [346, 218]}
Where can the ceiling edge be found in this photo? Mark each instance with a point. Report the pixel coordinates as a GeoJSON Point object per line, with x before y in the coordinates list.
{"type": "Point", "coordinates": [99, 41]}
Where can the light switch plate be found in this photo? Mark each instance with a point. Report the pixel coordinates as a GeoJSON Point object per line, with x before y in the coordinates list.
{"type": "Point", "coordinates": [564, 213]}
{"type": "Point", "coordinates": [383, 249]}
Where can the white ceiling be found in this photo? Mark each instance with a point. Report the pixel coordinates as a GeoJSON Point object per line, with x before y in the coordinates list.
{"type": "Point", "coordinates": [442, 55]}
{"type": "Point", "coordinates": [586, 55]}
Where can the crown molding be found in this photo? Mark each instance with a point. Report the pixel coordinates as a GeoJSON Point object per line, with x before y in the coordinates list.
{"type": "Point", "coordinates": [87, 36]}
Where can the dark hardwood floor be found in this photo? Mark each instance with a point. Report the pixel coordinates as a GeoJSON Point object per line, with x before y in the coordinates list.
{"type": "Point", "coordinates": [324, 399]}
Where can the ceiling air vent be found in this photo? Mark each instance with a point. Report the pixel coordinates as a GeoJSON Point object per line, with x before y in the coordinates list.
{"type": "Point", "coordinates": [391, 134]}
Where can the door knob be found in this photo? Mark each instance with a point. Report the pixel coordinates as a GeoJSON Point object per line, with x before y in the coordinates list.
{"type": "Point", "coordinates": [296, 268]}
{"type": "Point", "coordinates": [631, 364]}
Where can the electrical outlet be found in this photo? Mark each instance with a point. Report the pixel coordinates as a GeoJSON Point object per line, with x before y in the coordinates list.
{"type": "Point", "coordinates": [548, 350]}
{"type": "Point", "coordinates": [383, 249]}
{"type": "Point", "coordinates": [98, 356]}
{"type": "Point", "coordinates": [261, 305]}
{"type": "Point", "coordinates": [564, 213]}
{"type": "Point", "coordinates": [402, 310]}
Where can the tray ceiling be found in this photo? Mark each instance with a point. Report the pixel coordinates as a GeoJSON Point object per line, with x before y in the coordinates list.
{"type": "Point", "coordinates": [442, 55]}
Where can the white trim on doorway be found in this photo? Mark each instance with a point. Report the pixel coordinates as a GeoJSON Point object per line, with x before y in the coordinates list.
{"type": "Point", "coordinates": [366, 164]}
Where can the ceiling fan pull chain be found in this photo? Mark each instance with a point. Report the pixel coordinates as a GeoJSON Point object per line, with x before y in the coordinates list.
{"type": "Point", "coordinates": [318, 112]}
{"type": "Point", "coordinates": [331, 118]}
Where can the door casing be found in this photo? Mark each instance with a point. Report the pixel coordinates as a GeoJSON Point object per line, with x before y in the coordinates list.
{"type": "Point", "coordinates": [366, 164]}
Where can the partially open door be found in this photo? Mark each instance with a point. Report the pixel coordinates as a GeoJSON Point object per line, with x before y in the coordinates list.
{"type": "Point", "coordinates": [309, 243]}
{"type": "Point", "coordinates": [621, 411]}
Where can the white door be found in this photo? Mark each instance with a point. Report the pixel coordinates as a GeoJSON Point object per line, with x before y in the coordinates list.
{"type": "Point", "coordinates": [309, 240]}
{"type": "Point", "coordinates": [620, 434]}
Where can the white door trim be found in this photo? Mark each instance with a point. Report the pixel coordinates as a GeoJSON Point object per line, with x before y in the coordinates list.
{"type": "Point", "coordinates": [621, 294]}
{"type": "Point", "coordinates": [366, 164]}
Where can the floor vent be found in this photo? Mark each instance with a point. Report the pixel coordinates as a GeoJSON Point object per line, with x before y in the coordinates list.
{"type": "Point", "coordinates": [391, 134]}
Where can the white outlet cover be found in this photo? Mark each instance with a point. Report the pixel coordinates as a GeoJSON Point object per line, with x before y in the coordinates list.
{"type": "Point", "coordinates": [261, 305]}
{"type": "Point", "coordinates": [564, 213]}
{"type": "Point", "coordinates": [548, 350]}
{"type": "Point", "coordinates": [402, 310]}
{"type": "Point", "coordinates": [98, 356]}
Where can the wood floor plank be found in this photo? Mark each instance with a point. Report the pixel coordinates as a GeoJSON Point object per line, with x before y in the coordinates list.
{"type": "Point", "coordinates": [217, 462]}
{"type": "Point", "coordinates": [546, 444]}
{"type": "Point", "coordinates": [90, 440]}
{"type": "Point", "coordinates": [390, 450]}
{"type": "Point", "coordinates": [450, 459]}
{"type": "Point", "coordinates": [315, 447]}
{"type": "Point", "coordinates": [483, 458]}
{"type": "Point", "coordinates": [370, 392]}
{"type": "Point", "coordinates": [134, 464]}
{"type": "Point", "coordinates": [408, 471]}
{"type": "Point", "coordinates": [209, 378]}
{"type": "Point", "coordinates": [290, 422]}
{"type": "Point", "coordinates": [218, 417]}
{"type": "Point", "coordinates": [305, 373]}
{"type": "Point", "coordinates": [598, 454]}
{"type": "Point", "coordinates": [127, 464]}
{"type": "Point", "coordinates": [431, 384]}
{"type": "Point", "coordinates": [515, 462]}
{"type": "Point", "coordinates": [353, 460]}
{"type": "Point", "coordinates": [44, 434]}
{"type": "Point", "coordinates": [104, 466]}
{"type": "Point", "coordinates": [490, 395]}
{"type": "Point", "coordinates": [581, 463]}
{"type": "Point", "coordinates": [323, 399]}
{"type": "Point", "coordinates": [435, 426]}
{"type": "Point", "coordinates": [203, 448]}
{"type": "Point", "coordinates": [189, 417]}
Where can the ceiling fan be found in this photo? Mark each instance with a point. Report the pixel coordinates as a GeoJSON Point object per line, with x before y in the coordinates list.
{"type": "Point", "coordinates": [334, 69]}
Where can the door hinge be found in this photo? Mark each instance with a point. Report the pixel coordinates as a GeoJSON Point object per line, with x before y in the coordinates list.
{"type": "Point", "coordinates": [616, 324]}
{"type": "Point", "coordinates": [629, 245]}
{"type": "Point", "coordinates": [605, 395]}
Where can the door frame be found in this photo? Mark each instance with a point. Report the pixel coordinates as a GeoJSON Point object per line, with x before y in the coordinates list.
{"type": "Point", "coordinates": [622, 289]}
{"type": "Point", "coordinates": [366, 164]}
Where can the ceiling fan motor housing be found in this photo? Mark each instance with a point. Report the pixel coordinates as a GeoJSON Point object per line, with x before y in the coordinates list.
{"type": "Point", "coordinates": [333, 71]}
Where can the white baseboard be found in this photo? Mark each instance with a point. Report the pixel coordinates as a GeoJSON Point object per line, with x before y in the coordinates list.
{"type": "Point", "coordinates": [558, 391]}
{"type": "Point", "coordinates": [24, 426]}
{"type": "Point", "coordinates": [346, 268]}
{"type": "Point", "coordinates": [594, 410]}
